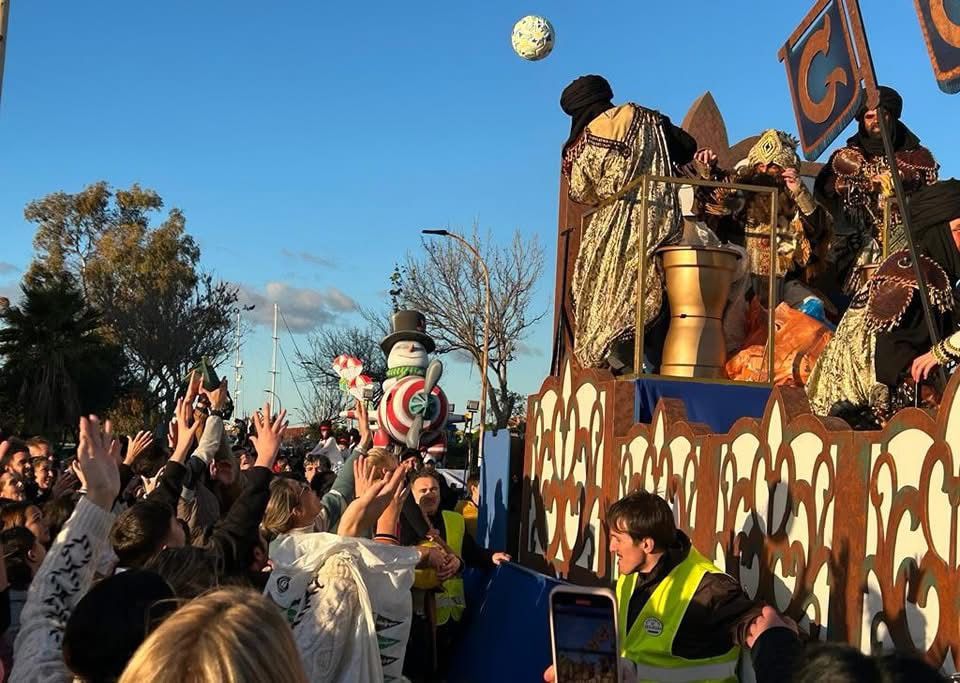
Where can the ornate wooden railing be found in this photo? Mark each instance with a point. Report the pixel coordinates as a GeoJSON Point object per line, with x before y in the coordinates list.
{"type": "Point", "coordinates": [854, 534]}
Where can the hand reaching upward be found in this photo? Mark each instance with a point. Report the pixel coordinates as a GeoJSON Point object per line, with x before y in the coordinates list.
{"type": "Point", "coordinates": [270, 431]}
{"type": "Point", "coordinates": [137, 445]}
{"type": "Point", "coordinates": [181, 430]}
{"type": "Point", "coordinates": [96, 455]}
{"type": "Point", "coordinates": [363, 424]}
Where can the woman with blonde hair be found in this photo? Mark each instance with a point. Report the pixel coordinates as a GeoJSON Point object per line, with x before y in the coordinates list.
{"type": "Point", "coordinates": [231, 635]}
{"type": "Point", "coordinates": [293, 508]}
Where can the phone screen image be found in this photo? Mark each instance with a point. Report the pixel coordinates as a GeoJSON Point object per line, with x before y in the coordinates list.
{"type": "Point", "coordinates": [585, 638]}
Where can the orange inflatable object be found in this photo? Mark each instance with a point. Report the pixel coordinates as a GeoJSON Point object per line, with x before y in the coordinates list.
{"type": "Point", "coordinates": [799, 340]}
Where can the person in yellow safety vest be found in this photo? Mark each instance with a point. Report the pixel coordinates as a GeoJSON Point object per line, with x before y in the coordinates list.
{"type": "Point", "coordinates": [681, 618]}
{"type": "Point", "coordinates": [470, 508]}
{"type": "Point", "coordinates": [447, 529]}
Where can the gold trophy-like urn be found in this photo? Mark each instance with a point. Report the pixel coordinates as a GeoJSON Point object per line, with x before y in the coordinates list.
{"type": "Point", "coordinates": [698, 284]}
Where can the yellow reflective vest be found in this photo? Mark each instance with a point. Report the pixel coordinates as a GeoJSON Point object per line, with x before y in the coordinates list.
{"type": "Point", "coordinates": [649, 642]}
{"type": "Point", "coordinates": [451, 602]}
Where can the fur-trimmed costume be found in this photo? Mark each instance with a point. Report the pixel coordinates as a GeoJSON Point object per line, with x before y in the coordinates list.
{"type": "Point", "coordinates": [845, 377]}
{"type": "Point", "coordinates": [855, 186]}
{"type": "Point", "coordinates": [867, 365]}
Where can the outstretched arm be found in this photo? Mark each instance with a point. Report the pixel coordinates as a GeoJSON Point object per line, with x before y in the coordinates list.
{"type": "Point", "coordinates": [236, 536]}
{"type": "Point", "coordinates": [68, 570]}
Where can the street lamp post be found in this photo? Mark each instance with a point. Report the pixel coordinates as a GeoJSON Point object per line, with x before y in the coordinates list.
{"type": "Point", "coordinates": [274, 397]}
{"type": "Point", "coordinates": [486, 332]}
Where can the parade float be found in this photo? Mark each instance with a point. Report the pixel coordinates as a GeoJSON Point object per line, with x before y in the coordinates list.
{"type": "Point", "coordinates": [854, 534]}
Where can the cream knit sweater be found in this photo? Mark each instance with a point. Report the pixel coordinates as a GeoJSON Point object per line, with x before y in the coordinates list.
{"type": "Point", "coordinates": [64, 577]}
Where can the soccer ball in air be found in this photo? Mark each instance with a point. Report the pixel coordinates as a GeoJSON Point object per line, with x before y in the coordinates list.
{"type": "Point", "coordinates": [532, 38]}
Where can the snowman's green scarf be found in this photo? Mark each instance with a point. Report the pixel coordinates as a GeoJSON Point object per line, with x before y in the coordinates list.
{"type": "Point", "coordinates": [405, 371]}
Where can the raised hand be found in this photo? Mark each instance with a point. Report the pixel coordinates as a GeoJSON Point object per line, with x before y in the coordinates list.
{"type": "Point", "coordinates": [65, 483]}
{"type": "Point", "coordinates": [137, 445]}
{"type": "Point", "coordinates": [78, 474]}
{"type": "Point", "coordinates": [363, 473]}
{"type": "Point", "coordinates": [792, 178]}
{"type": "Point", "coordinates": [181, 430]}
{"type": "Point", "coordinates": [402, 491]}
{"type": "Point", "coordinates": [384, 492]}
{"type": "Point", "coordinates": [389, 520]}
{"type": "Point", "coordinates": [96, 456]}
{"type": "Point", "coordinates": [363, 426]}
{"type": "Point", "coordinates": [378, 500]}
{"type": "Point", "coordinates": [193, 388]}
{"type": "Point", "coordinates": [707, 157]}
{"type": "Point", "coordinates": [269, 436]}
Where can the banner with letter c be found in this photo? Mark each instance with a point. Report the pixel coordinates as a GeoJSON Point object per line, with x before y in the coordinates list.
{"type": "Point", "coordinates": [823, 75]}
{"type": "Point", "coordinates": [940, 21]}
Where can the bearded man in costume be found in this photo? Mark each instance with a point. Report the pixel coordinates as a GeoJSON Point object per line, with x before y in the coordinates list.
{"type": "Point", "coordinates": [610, 146]}
{"type": "Point", "coordinates": [743, 218]}
{"type": "Point", "coordinates": [855, 186]}
{"type": "Point", "coordinates": [882, 349]}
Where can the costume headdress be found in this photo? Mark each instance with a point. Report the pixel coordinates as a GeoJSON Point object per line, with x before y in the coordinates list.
{"type": "Point", "coordinates": [775, 147]}
{"type": "Point", "coordinates": [890, 100]}
{"type": "Point", "coordinates": [584, 100]}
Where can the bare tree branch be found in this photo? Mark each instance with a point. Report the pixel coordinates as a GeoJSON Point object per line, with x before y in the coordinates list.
{"type": "Point", "coordinates": [316, 365]}
{"type": "Point", "coordinates": [445, 282]}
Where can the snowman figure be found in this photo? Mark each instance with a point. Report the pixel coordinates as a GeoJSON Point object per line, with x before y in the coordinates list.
{"type": "Point", "coordinates": [408, 347]}
{"type": "Point", "coordinates": [414, 410]}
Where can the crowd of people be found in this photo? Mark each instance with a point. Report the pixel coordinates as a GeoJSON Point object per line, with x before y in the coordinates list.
{"type": "Point", "coordinates": [209, 558]}
{"type": "Point", "coordinates": [195, 559]}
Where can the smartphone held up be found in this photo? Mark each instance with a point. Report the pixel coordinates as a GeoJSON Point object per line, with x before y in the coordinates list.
{"type": "Point", "coordinates": [583, 635]}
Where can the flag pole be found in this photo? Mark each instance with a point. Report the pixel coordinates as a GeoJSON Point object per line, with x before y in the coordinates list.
{"type": "Point", "coordinates": [4, 19]}
{"type": "Point", "coordinates": [873, 102]}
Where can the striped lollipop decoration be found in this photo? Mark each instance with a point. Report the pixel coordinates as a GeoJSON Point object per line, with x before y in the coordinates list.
{"type": "Point", "coordinates": [404, 401]}
{"type": "Point", "coordinates": [359, 383]}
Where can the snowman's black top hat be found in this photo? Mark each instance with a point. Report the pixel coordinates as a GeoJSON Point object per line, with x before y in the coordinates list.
{"type": "Point", "coordinates": [408, 326]}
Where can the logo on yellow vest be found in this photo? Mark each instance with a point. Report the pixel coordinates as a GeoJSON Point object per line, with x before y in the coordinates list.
{"type": "Point", "coordinates": [653, 626]}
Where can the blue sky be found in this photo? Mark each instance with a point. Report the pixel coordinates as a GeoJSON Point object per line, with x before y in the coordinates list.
{"type": "Point", "coordinates": [308, 142]}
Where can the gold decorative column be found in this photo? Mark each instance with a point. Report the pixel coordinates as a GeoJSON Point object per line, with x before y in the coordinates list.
{"type": "Point", "coordinates": [698, 284]}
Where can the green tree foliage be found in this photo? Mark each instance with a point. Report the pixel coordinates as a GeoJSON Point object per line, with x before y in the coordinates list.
{"type": "Point", "coordinates": [145, 281]}
{"type": "Point", "coordinates": [57, 364]}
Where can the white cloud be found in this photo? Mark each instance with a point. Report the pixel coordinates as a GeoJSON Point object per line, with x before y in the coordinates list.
{"type": "Point", "coordinates": [526, 350]}
{"type": "Point", "coordinates": [308, 257]}
{"type": "Point", "coordinates": [8, 268]}
{"type": "Point", "coordinates": [303, 308]}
